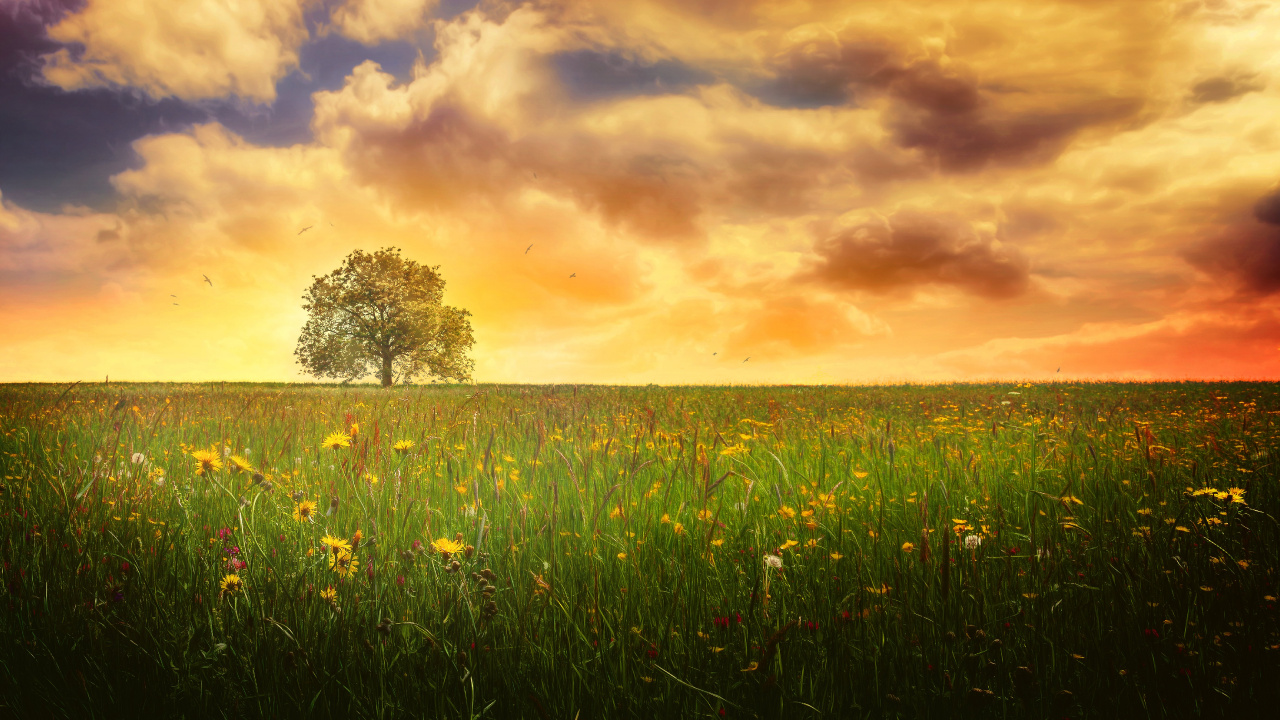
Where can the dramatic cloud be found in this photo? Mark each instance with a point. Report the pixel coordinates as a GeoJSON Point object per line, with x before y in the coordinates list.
{"type": "Point", "coordinates": [195, 49]}
{"type": "Point", "coordinates": [653, 190]}
{"type": "Point", "coordinates": [909, 249]}
{"type": "Point", "coordinates": [1247, 253]}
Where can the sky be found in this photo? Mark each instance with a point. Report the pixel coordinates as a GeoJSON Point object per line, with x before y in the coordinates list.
{"type": "Point", "coordinates": [841, 192]}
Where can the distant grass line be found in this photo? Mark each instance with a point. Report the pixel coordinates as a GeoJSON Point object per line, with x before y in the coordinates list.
{"type": "Point", "coordinates": [991, 550]}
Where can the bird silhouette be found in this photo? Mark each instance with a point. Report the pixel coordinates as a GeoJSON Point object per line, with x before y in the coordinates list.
{"type": "Point", "coordinates": [714, 354]}
{"type": "Point", "coordinates": [526, 250]}
{"type": "Point", "coordinates": [574, 275]}
{"type": "Point", "coordinates": [747, 359]}
{"type": "Point", "coordinates": [1059, 370]}
{"type": "Point", "coordinates": [206, 279]}
{"type": "Point", "coordinates": [330, 223]}
{"type": "Point", "coordinates": [535, 176]}
{"type": "Point", "coordinates": [175, 303]}
{"type": "Point", "coordinates": [172, 295]}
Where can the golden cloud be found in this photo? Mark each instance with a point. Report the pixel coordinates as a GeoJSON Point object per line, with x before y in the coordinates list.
{"type": "Point", "coordinates": [193, 50]}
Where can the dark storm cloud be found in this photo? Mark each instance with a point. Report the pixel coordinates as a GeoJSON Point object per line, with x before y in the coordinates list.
{"type": "Point", "coordinates": [1247, 254]}
{"type": "Point", "coordinates": [913, 249]}
{"type": "Point", "coordinates": [591, 75]}
{"type": "Point", "coordinates": [946, 113]}
{"type": "Point", "coordinates": [1267, 209]}
{"type": "Point", "coordinates": [1221, 89]}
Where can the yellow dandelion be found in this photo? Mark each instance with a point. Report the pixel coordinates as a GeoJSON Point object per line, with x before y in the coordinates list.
{"type": "Point", "coordinates": [329, 595]}
{"type": "Point", "coordinates": [238, 464]}
{"type": "Point", "coordinates": [305, 511]}
{"type": "Point", "coordinates": [785, 512]}
{"type": "Point", "coordinates": [836, 556]}
{"type": "Point", "coordinates": [354, 430]}
{"type": "Point", "coordinates": [1244, 564]}
{"type": "Point", "coordinates": [622, 556]}
{"type": "Point", "coordinates": [908, 547]}
{"type": "Point", "coordinates": [336, 441]}
{"type": "Point", "coordinates": [335, 544]}
{"type": "Point", "coordinates": [811, 543]}
{"type": "Point", "coordinates": [678, 528]}
{"type": "Point", "coordinates": [445, 545]}
{"type": "Point", "coordinates": [788, 544]}
{"type": "Point", "coordinates": [666, 519]}
{"type": "Point", "coordinates": [717, 542]}
{"type": "Point", "coordinates": [231, 584]}
{"type": "Point", "coordinates": [403, 446]}
{"type": "Point", "coordinates": [206, 461]}
{"type": "Point", "coordinates": [1237, 495]}
{"type": "Point", "coordinates": [343, 563]}
{"type": "Point", "coordinates": [704, 515]}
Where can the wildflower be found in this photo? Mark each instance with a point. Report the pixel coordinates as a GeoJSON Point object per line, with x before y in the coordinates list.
{"type": "Point", "coordinates": [836, 556]}
{"type": "Point", "coordinates": [622, 556]}
{"type": "Point", "coordinates": [705, 515]}
{"type": "Point", "coordinates": [329, 595]}
{"type": "Point", "coordinates": [335, 544]}
{"type": "Point", "coordinates": [908, 547]}
{"type": "Point", "coordinates": [336, 440]}
{"type": "Point", "coordinates": [403, 446]}
{"type": "Point", "coordinates": [718, 542]}
{"type": "Point", "coordinates": [304, 511]}
{"type": "Point", "coordinates": [239, 464]}
{"type": "Point", "coordinates": [231, 584]}
{"type": "Point", "coordinates": [343, 563]}
{"type": "Point", "coordinates": [788, 544]}
{"type": "Point", "coordinates": [1180, 528]}
{"type": "Point", "coordinates": [773, 561]}
{"type": "Point", "coordinates": [786, 512]}
{"type": "Point", "coordinates": [811, 543]}
{"type": "Point", "coordinates": [206, 461]}
{"type": "Point", "coordinates": [678, 528]}
{"type": "Point", "coordinates": [138, 458]}
{"type": "Point", "coordinates": [972, 542]}
{"type": "Point", "coordinates": [665, 519]}
{"type": "Point", "coordinates": [445, 545]}
{"type": "Point", "coordinates": [1237, 495]}
{"type": "Point", "coordinates": [354, 430]}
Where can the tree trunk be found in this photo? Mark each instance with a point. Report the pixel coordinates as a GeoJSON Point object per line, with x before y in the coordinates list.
{"type": "Point", "coordinates": [386, 371]}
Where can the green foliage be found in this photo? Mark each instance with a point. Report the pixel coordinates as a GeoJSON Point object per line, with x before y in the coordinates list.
{"type": "Point", "coordinates": [382, 315]}
{"type": "Point", "coordinates": [1123, 561]}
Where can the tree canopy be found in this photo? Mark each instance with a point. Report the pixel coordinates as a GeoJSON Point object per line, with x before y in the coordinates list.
{"type": "Point", "coordinates": [380, 314]}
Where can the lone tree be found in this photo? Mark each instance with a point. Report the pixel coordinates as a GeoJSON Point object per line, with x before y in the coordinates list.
{"type": "Point", "coordinates": [381, 315]}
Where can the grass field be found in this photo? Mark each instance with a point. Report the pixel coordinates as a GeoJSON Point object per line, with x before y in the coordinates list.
{"type": "Point", "coordinates": [1021, 551]}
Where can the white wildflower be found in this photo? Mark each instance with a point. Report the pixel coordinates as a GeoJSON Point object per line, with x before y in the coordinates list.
{"type": "Point", "coordinates": [972, 542]}
{"type": "Point", "coordinates": [773, 561]}
{"type": "Point", "coordinates": [138, 458]}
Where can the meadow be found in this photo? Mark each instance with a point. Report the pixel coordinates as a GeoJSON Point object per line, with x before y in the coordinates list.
{"type": "Point", "coordinates": [988, 550]}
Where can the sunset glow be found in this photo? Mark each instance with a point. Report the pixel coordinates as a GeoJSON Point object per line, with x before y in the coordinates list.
{"type": "Point", "coordinates": [841, 192]}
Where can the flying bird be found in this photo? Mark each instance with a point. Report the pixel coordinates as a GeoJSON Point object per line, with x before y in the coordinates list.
{"type": "Point", "coordinates": [747, 359]}
{"type": "Point", "coordinates": [574, 275]}
{"type": "Point", "coordinates": [535, 176]}
{"type": "Point", "coordinates": [172, 295]}
{"type": "Point", "coordinates": [206, 279]}
{"type": "Point", "coordinates": [305, 229]}
{"type": "Point", "coordinates": [714, 354]}
{"type": "Point", "coordinates": [175, 303]}
{"type": "Point", "coordinates": [526, 250]}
